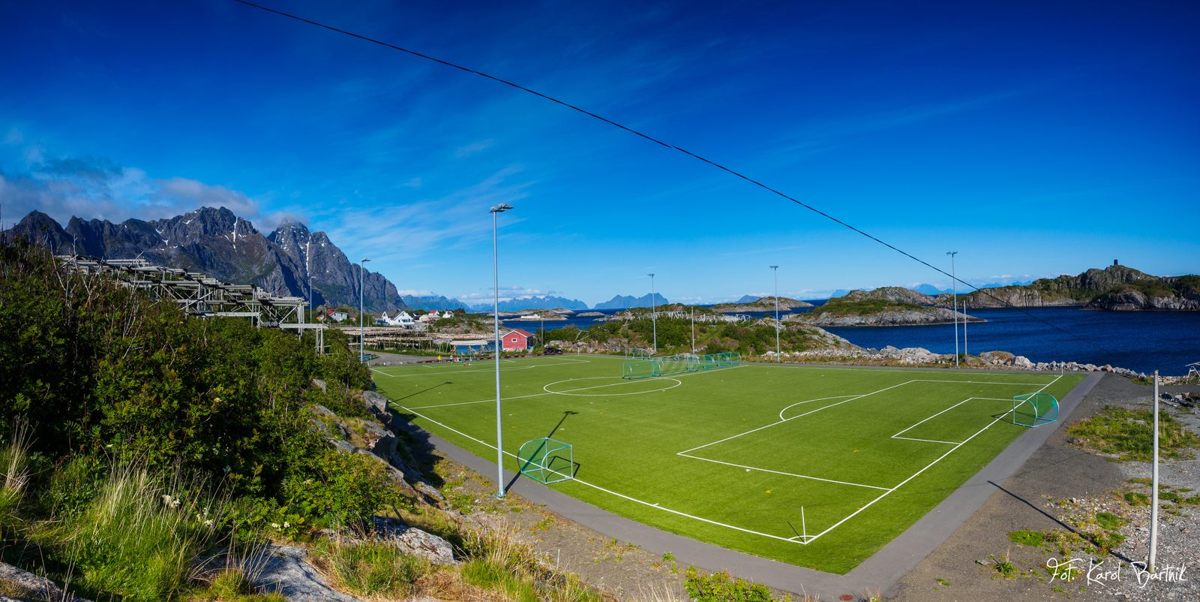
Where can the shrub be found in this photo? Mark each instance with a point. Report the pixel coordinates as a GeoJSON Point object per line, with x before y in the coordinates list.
{"type": "Point", "coordinates": [720, 587]}
{"type": "Point", "coordinates": [342, 490]}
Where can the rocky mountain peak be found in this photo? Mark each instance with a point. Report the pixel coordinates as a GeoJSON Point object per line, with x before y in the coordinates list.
{"type": "Point", "coordinates": [215, 240]}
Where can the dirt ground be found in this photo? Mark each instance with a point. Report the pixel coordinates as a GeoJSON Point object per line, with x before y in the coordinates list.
{"type": "Point", "coordinates": [1060, 481]}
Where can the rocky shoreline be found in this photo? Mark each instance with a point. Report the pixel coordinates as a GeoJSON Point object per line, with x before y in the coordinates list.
{"type": "Point", "coordinates": [921, 357]}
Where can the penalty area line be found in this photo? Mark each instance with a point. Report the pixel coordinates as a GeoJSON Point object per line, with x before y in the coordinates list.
{"type": "Point", "coordinates": [622, 495]}
{"type": "Point", "coordinates": [918, 473]}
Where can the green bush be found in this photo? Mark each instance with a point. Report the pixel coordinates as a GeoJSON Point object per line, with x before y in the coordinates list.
{"type": "Point", "coordinates": [720, 587]}
{"type": "Point", "coordinates": [342, 490]}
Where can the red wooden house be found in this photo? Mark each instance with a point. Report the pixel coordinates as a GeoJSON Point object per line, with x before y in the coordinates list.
{"type": "Point", "coordinates": [517, 340]}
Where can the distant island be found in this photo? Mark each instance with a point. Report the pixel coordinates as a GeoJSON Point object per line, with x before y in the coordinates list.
{"type": "Point", "coordinates": [887, 306]}
{"type": "Point", "coordinates": [1114, 288]}
{"type": "Point", "coordinates": [750, 303]}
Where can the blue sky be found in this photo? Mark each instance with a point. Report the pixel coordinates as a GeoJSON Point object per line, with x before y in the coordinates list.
{"type": "Point", "coordinates": [1034, 138]}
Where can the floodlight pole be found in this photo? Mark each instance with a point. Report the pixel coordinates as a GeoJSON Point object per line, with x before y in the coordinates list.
{"type": "Point", "coordinates": [954, 289]}
{"type": "Point", "coordinates": [653, 313]}
{"type": "Point", "coordinates": [966, 351]}
{"type": "Point", "coordinates": [497, 210]}
{"type": "Point", "coordinates": [693, 330]}
{"type": "Point", "coordinates": [361, 266]}
{"type": "Point", "coordinates": [1154, 485]}
{"type": "Point", "coordinates": [775, 270]}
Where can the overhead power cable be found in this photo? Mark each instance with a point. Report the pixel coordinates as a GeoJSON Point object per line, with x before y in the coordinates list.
{"type": "Point", "coordinates": [648, 138]}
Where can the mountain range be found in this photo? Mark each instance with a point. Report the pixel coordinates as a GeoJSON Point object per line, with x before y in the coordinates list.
{"type": "Point", "coordinates": [215, 241]}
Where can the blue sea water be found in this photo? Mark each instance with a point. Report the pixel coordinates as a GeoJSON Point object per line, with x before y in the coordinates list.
{"type": "Point", "coordinates": [1142, 341]}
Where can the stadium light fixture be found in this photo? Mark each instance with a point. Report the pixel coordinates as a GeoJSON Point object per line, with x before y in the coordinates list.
{"type": "Point", "coordinates": [954, 290]}
{"type": "Point", "coordinates": [361, 266]}
{"type": "Point", "coordinates": [775, 269]}
{"type": "Point", "coordinates": [496, 211]}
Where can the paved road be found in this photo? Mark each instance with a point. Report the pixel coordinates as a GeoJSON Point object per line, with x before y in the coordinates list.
{"type": "Point", "coordinates": [876, 574]}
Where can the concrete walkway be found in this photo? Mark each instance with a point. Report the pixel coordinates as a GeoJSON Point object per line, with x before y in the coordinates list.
{"type": "Point", "coordinates": [876, 574]}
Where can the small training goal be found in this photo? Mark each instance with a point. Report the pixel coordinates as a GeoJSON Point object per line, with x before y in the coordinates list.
{"type": "Point", "coordinates": [667, 365]}
{"type": "Point", "coordinates": [547, 460]}
{"type": "Point", "coordinates": [1034, 409]}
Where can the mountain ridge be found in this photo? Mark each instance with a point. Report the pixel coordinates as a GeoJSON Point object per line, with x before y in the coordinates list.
{"type": "Point", "coordinates": [223, 245]}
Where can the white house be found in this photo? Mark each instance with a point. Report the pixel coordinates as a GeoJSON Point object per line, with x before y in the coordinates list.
{"type": "Point", "coordinates": [399, 318]}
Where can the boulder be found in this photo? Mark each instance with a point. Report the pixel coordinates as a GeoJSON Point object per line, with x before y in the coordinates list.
{"type": "Point", "coordinates": [412, 540]}
{"type": "Point", "coordinates": [1022, 362]}
{"type": "Point", "coordinates": [378, 406]}
{"type": "Point", "coordinates": [287, 572]}
{"type": "Point", "coordinates": [320, 384]}
{"type": "Point", "coordinates": [27, 586]}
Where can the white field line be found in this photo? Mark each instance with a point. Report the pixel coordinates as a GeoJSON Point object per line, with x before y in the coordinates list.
{"type": "Point", "coordinates": [800, 403]}
{"type": "Point", "coordinates": [980, 382]}
{"type": "Point", "coordinates": [927, 440]}
{"type": "Point", "coordinates": [529, 367]}
{"type": "Point", "coordinates": [568, 391]}
{"type": "Point", "coordinates": [614, 493]}
{"type": "Point", "coordinates": [779, 472]}
{"type": "Point", "coordinates": [915, 425]}
{"type": "Point", "coordinates": [918, 473]}
{"type": "Point", "coordinates": [781, 421]}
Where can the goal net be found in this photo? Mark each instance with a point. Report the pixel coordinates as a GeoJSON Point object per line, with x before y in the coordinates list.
{"type": "Point", "coordinates": [547, 460]}
{"type": "Point", "coordinates": [1034, 409]}
{"type": "Point", "coordinates": [683, 363]}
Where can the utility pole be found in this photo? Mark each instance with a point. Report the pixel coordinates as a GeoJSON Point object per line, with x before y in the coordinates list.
{"type": "Point", "coordinates": [497, 210]}
{"type": "Point", "coordinates": [693, 330]}
{"type": "Point", "coordinates": [966, 350]}
{"type": "Point", "coordinates": [954, 289]}
{"type": "Point", "coordinates": [361, 266]}
{"type": "Point", "coordinates": [775, 270]}
{"type": "Point", "coordinates": [653, 313]}
{"type": "Point", "coordinates": [1154, 485]}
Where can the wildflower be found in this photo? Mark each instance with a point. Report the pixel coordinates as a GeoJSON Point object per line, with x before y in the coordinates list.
{"type": "Point", "coordinates": [227, 468]}
{"type": "Point", "coordinates": [275, 525]}
{"type": "Point", "coordinates": [167, 500]}
{"type": "Point", "coordinates": [286, 525]}
{"type": "Point", "coordinates": [208, 523]}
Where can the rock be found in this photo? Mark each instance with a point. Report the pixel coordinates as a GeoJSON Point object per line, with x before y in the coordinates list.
{"type": "Point", "coordinates": [320, 384]}
{"type": "Point", "coordinates": [1022, 362]}
{"type": "Point", "coordinates": [412, 540]}
{"type": "Point", "coordinates": [378, 406]}
{"type": "Point", "coordinates": [287, 572]}
{"type": "Point", "coordinates": [27, 586]}
{"type": "Point", "coordinates": [379, 440]}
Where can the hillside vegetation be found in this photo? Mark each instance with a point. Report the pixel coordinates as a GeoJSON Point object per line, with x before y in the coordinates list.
{"type": "Point", "coordinates": [148, 455]}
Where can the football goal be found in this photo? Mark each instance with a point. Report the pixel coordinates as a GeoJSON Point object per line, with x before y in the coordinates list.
{"type": "Point", "coordinates": [683, 363]}
{"type": "Point", "coordinates": [547, 460]}
{"type": "Point", "coordinates": [1034, 409]}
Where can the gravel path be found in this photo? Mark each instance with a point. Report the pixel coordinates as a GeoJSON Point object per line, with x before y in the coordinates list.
{"type": "Point", "coordinates": [1052, 491]}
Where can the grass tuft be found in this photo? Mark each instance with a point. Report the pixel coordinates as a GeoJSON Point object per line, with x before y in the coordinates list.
{"type": "Point", "coordinates": [139, 539]}
{"type": "Point", "coordinates": [373, 568]}
{"type": "Point", "coordinates": [1024, 537]}
{"type": "Point", "coordinates": [1129, 435]}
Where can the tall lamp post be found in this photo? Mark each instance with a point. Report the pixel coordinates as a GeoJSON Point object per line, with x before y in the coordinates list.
{"type": "Point", "coordinates": [954, 290]}
{"type": "Point", "coordinates": [497, 210]}
{"type": "Point", "coordinates": [361, 266]}
{"type": "Point", "coordinates": [775, 270]}
{"type": "Point", "coordinates": [653, 313]}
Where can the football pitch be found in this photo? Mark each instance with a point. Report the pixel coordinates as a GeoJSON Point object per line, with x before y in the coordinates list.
{"type": "Point", "coordinates": [814, 466]}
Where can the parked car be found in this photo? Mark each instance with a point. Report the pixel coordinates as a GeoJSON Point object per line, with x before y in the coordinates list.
{"type": "Point", "coordinates": [552, 351]}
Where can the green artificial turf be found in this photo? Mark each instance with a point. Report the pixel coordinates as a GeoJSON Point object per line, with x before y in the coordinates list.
{"type": "Point", "coordinates": [748, 472]}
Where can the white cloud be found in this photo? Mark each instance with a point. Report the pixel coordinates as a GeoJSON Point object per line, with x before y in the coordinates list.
{"type": "Point", "coordinates": [94, 188]}
{"type": "Point", "coordinates": [473, 148]}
